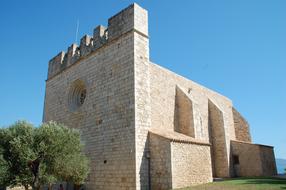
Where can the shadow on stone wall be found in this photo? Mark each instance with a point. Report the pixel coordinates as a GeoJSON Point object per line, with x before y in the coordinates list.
{"type": "Point", "coordinates": [145, 173]}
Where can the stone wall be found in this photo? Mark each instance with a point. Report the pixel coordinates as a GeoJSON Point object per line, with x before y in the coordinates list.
{"type": "Point", "coordinates": [220, 159]}
{"type": "Point", "coordinates": [184, 117]}
{"type": "Point", "coordinates": [106, 118]}
{"type": "Point", "coordinates": [241, 127]}
{"type": "Point", "coordinates": [268, 160]}
{"type": "Point", "coordinates": [163, 94]}
{"type": "Point", "coordinates": [105, 69]}
{"type": "Point", "coordinates": [142, 97]}
{"type": "Point", "coordinates": [163, 84]}
{"type": "Point", "coordinates": [253, 159]}
{"type": "Point", "coordinates": [178, 160]}
{"type": "Point", "coordinates": [248, 157]}
{"type": "Point", "coordinates": [160, 157]}
{"type": "Point", "coordinates": [191, 164]}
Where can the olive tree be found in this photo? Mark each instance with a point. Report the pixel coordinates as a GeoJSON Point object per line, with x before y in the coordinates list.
{"type": "Point", "coordinates": [16, 144]}
{"type": "Point", "coordinates": [32, 156]}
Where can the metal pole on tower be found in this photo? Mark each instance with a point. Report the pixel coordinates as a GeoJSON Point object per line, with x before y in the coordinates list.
{"type": "Point", "coordinates": [77, 28]}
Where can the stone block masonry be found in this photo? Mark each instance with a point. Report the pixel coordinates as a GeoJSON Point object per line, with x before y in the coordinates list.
{"type": "Point", "coordinates": [253, 159]}
{"type": "Point", "coordinates": [105, 66]}
{"type": "Point", "coordinates": [131, 19]}
{"type": "Point", "coordinates": [145, 127]}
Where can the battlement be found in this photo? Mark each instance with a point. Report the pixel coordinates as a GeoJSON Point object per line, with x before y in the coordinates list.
{"type": "Point", "coordinates": [133, 18]}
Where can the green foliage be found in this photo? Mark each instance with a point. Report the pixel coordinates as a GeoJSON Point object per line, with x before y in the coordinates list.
{"type": "Point", "coordinates": [73, 167]}
{"type": "Point", "coordinates": [4, 178]}
{"type": "Point", "coordinates": [16, 149]}
{"type": "Point", "coordinates": [45, 176]}
{"type": "Point", "coordinates": [56, 148]}
{"type": "Point", "coordinates": [62, 151]}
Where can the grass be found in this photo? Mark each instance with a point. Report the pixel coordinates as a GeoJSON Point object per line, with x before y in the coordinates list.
{"type": "Point", "coordinates": [243, 184]}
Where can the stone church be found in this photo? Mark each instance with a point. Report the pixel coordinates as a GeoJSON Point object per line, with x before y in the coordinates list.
{"type": "Point", "coordinates": [145, 127]}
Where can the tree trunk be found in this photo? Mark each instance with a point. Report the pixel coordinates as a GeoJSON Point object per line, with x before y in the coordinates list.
{"type": "Point", "coordinates": [50, 186]}
{"type": "Point", "coordinates": [35, 169]}
{"type": "Point", "coordinates": [36, 182]}
{"type": "Point", "coordinates": [76, 187]}
{"type": "Point", "coordinates": [26, 187]}
{"type": "Point", "coordinates": [36, 185]}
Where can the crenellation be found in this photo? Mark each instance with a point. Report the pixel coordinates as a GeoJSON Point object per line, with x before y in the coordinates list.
{"type": "Point", "coordinates": [72, 55]}
{"type": "Point", "coordinates": [120, 23]}
{"type": "Point", "coordinates": [85, 41]}
{"type": "Point", "coordinates": [132, 18]}
{"type": "Point", "coordinates": [99, 36]}
{"type": "Point", "coordinates": [55, 64]}
{"type": "Point", "coordinates": [85, 45]}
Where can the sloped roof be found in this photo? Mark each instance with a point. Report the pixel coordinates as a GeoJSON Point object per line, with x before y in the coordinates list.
{"type": "Point", "coordinates": [177, 137]}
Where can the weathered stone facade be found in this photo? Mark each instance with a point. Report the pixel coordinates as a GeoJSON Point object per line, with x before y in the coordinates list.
{"type": "Point", "coordinates": [257, 160]}
{"type": "Point", "coordinates": [145, 126]}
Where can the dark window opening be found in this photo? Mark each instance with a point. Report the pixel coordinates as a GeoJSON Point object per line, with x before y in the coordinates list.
{"type": "Point", "coordinates": [82, 96]}
{"type": "Point", "coordinates": [235, 159]}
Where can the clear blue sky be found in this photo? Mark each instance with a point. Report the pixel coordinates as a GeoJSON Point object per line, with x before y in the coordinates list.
{"type": "Point", "coordinates": [236, 47]}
